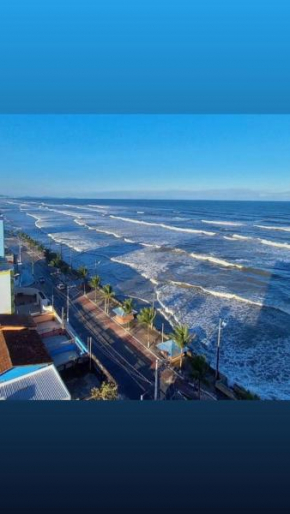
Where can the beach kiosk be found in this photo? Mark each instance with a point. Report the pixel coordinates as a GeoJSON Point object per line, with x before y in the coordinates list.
{"type": "Point", "coordinates": [122, 317]}
{"type": "Point", "coordinates": [171, 349]}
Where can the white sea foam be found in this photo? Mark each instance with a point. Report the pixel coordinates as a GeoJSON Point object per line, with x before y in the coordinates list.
{"type": "Point", "coordinates": [226, 223]}
{"type": "Point", "coordinates": [76, 243]}
{"type": "Point", "coordinates": [242, 238]}
{"type": "Point", "coordinates": [108, 232]}
{"type": "Point", "coordinates": [135, 266]}
{"type": "Point", "coordinates": [215, 260]}
{"type": "Point", "coordinates": [247, 357]}
{"type": "Point", "coordinates": [163, 225]}
{"type": "Point", "coordinates": [237, 237]}
{"type": "Point", "coordinates": [282, 229]}
{"type": "Point", "coordinates": [149, 245]}
{"type": "Point", "coordinates": [219, 294]}
{"type": "Point", "coordinates": [285, 246]}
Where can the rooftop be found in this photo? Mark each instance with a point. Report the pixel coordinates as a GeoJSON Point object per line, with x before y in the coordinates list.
{"type": "Point", "coordinates": [21, 348]}
{"type": "Point", "coordinates": [16, 320]}
{"type": "Point", "coordinates": [172, 348]}
{"type": "Point", "coordinates": [43, 384]}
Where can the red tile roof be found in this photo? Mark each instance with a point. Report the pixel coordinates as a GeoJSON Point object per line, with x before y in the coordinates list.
{"type": "Point", "coordinates": [21, 348]}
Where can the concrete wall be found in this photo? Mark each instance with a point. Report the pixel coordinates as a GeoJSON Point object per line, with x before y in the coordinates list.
{"type": "Point", "coordinates": [6, 292]}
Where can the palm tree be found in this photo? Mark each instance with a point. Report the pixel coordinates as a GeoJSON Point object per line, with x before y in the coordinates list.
{"type": "Point", "coordinates": [83, 272]}
{"type": "Point", "coordinates": [108, 294]}
{"type": "Point", "coordinates": [56, 261]}
{"type": "Point", "coordinates": [199, 369]}
{"type": "Point", "coordinates": [147, 316]}
{"type": "Point", "coordinates": [182, 338]}
{"type": "Point", "coordinates": [127, 306]}
{"type": "Point", "coordinates": [95, 283]}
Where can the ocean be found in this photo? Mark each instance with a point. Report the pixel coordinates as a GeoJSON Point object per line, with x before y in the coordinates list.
{"type": "Point", "coordinates": [198, 261]}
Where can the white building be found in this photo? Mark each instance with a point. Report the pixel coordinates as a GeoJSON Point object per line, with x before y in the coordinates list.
{"type": "Point", "coordinates": [2, 242]}
{"type": "Point", "coordinates": [6, 289]}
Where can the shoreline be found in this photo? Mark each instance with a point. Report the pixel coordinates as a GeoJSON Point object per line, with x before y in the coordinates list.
{"type": "Point", "coordinates": [168, 325]}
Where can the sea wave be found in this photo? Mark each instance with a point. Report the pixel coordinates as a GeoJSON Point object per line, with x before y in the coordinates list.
{"type": "Point", "coordinates": [215, 260]}
{"type": "Point", "coordinates": [150, 245]}
{"type": "Point", "coordinates": [226, 223]}
{"type": "Point", "coordinates": [80, 245]}
{"type": "Point", "coordinates": [285, 246]}
{"type": "Point", "coordinates": [208, 258]}
{"type": "Point", "coordinates": [276, 244]}
{"type": "Point", "coordinates": [114, 234]}
{"type": "Point", "coordinates": [267, 227]}
{"type": "Point", "coordinates": [219, 294]}
{"type": "Point", "coordinates": [136, 267]}
{"type": "Point", "coordinates": [242, 238]}
{"type": "Point", "coordinates": [163, 225]}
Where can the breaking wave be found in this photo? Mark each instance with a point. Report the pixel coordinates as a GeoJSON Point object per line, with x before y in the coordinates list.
{"type": "Point", "coordinates": [282, 229]}
{"type": "Point", "coordinates": [225, 223]}
{"type": "Point", "coordinates": [286, 246]}
{"type": "Point", "coordinates": [163, 225]}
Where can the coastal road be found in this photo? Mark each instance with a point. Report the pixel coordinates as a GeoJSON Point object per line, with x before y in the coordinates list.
{"type": "Point", "coordinates": [131, 369]}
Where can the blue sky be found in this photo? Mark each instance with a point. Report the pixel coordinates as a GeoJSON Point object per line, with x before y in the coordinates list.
{"type": "Point", "coordinates": [204, 156]}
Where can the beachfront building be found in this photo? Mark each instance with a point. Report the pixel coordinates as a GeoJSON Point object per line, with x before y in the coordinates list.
{"type": "Point", "coordinates": [2, 240]}
{"type": "Point", "coordinates": [6, 277]}
{"type": "Point", "coordinates": [6, 288]}
{"type": "Point", "coordinates": [26, 368]}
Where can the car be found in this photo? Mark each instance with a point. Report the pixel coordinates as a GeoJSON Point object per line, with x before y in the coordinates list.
{"type": "Point", "coordinates": [41, 280]}
{"type": "Point", "coordinates": [60, 286]}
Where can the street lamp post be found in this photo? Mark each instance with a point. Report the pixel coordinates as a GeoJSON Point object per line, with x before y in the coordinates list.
{"type": "Point", "coordinates": [222, 324]}
{"type": "Point", "coordinates": [90, 340]}
{"type": "Point", "coordinates": [19, 253]}
{"type": "Point", "coordinates": [67, 302]}
{"type": "Point", "coordinates": [156, 381]}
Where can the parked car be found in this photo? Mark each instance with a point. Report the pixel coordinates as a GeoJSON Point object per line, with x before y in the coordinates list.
{"type": "Point", "coordinates": [41, 280]}
{"type": "Point", "coordinates": [60, 286]}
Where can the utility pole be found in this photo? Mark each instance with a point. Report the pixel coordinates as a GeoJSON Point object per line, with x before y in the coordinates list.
{"type": "Point", "coordinates": [67, 304]}
{"type": "Point", "coordinates": [19, 254]}
{"type": "Point", "coordinates": [156, 381]}
{"type": "Point", "coordinates": [62, 316]}
{"type": "Point", "coordinates": [221, 325]}
{"type": "Point", "coordinates": [90, 340]}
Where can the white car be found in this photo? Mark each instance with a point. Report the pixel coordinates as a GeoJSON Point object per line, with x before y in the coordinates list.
{"type": "Point", "coordinates": [60, 286]}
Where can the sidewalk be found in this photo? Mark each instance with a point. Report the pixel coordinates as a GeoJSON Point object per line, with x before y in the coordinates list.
{"type": "Point", "coordinates": [139, 343]}
{"type": "Point", "coordinates": [109, 324]}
